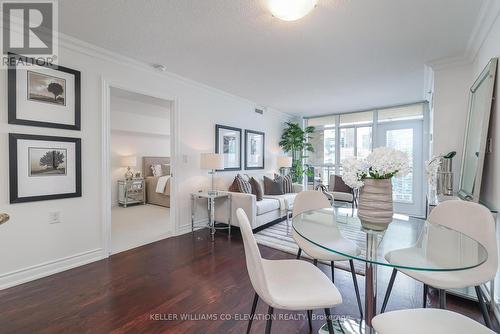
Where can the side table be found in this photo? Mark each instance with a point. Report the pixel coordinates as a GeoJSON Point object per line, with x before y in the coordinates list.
{"type": "Point", "coordinates": [211, 197]}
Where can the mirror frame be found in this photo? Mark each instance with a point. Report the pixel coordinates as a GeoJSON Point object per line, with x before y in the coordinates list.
{"type": "Point", "coordinates": [488, 76]}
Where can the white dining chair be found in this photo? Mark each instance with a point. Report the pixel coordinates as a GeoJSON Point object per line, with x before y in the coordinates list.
{"type": "Point", "coordinates": [428, 321]}
{"type": "Point", "coordinates": [475, 221]}
{"type": "Point", "coordinates": [312, 200]}
{"type": "Point", "coordinates": [291, 285]}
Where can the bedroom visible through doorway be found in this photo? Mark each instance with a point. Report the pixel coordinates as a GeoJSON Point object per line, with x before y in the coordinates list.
{"type": "Point", "coordinates": [140, 167]}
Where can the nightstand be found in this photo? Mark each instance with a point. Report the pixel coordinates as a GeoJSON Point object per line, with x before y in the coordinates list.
{"type": "Point", "coordinates": [131, 192]}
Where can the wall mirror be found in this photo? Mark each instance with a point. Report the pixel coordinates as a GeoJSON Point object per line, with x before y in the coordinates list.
{"type": "Point", "coordinates": [476, 133]}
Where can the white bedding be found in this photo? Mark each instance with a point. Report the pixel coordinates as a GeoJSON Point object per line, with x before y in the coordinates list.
{"type": "Point", "coordinates": [162, 183]}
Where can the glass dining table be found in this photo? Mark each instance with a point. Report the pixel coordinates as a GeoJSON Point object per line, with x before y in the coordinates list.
{"type": "Point", "coordinates": [412, 244]}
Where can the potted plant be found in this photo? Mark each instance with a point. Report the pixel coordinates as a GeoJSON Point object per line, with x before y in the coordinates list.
{"type": "Point", "coordinates": [372, 176]}
{"type": "Point", "coordinates": [294, 140]}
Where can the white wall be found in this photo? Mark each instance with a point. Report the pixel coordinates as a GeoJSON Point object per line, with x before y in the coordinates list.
{"type": "Point", "coordinates": [137, 128]}
{"type": "Point", "coordinates": [449, 114]}
{"type": "Point", "coordinates": [29, 245]}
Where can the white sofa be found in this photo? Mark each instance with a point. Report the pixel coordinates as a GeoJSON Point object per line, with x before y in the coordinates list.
{"type": "Point", "coordinates": [271, 208]}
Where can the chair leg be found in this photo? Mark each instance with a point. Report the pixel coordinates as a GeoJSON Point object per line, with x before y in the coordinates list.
{"type": "Point", "coordinates": [356, 288]}
{"type": "Point", "coordinates": [483, 307]}
{"type": "Point", "coordinates": [424, 299]}
{"type": "Point", "coordinates": [315, 262]}
{"type": "Point", "coordinates": [269, 320]}
{"type": "Point", "coordinates": [309, 320]}
{"type": "Point", "coordinates": [254, 306]}
{"type": "Point", "coordinates": [389, 290]}
{"type": "Point", "coordinates": [329, 321]}
{"type": "Point", "coordinates": [442, 299]}
{"type": "Point", "coordinates": [333, 271]}
{"type": "Point", "coordinates": [298, 253]}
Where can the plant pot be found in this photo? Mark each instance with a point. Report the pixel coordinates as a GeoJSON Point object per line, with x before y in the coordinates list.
{"type": "Point", "coordinates": [375, 207]}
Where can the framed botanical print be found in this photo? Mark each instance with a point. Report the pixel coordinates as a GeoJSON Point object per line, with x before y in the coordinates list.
{"type": "Point", "coordinates": [42, 94]}
{"type": "Point", "coordinates": [44, 167]}
{"type": "Point", "coordinates": [254, 149]}
{"type": "Point", "coordinates": [228, 142]}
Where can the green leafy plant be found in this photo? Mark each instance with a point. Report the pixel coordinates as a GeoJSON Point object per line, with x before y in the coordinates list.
{"type": "Point", "coordinates": [294, 140]}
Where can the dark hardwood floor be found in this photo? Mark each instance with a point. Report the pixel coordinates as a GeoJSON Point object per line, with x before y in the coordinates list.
{"type": "Point", "coordinates": [152, 288]}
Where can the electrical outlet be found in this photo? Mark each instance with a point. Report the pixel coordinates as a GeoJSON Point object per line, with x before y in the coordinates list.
{"type": "Point", "coordinates": [54, 217]}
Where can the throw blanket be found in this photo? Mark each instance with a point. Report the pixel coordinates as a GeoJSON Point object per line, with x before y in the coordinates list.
{"type": "Point", "coordinates": [162, 183]}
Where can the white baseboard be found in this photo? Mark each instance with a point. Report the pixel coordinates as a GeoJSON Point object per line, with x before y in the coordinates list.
{"type": "Point", "coordinates": [32, 273]}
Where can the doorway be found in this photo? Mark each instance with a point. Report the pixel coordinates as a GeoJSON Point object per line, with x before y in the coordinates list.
{"type": "Point", "coordinates": [138, 151]}
{"type": "Point", "coordinates": [406, 136]}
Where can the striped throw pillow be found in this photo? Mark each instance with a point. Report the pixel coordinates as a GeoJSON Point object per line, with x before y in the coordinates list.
{"type": "Point", "coordinates": [243, 185]}
{"type": "Point", "coordinates": [287, 183]}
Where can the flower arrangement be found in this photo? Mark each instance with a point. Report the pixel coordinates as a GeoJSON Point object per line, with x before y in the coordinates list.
{"type": "Point", "coordinates": [382, 163]}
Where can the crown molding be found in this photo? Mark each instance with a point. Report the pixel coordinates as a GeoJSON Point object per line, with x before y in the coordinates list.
{"type": "Point", "coordinates": [77, 45]}
{"type": "Point", "coordinates": [488, 15]}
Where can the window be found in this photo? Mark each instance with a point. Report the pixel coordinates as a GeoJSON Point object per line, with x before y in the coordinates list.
{"type": "Point", "coordinates": [357, 118]}
{"type": "Point", "coordinates": [346, 143]}
{"type": "Point", "coordinates": [363, 141]}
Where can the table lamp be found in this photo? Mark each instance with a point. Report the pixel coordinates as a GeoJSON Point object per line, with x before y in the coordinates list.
{"type": "Point", "coordinates": [128, 161]}
{"type": "Point", "coordinates": [212, 161]}
{"type": "Point", "coordinates": [284, 162]}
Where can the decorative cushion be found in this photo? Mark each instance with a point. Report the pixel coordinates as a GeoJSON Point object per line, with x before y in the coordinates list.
{"type": "Point", "coordinates": [243, 185]}
{"type": "Point", "coordinates": [287, 184]}
{"type": "Point", "coordinates": [156, 170]}
{"type": "Point", "coordinates": [273, 187]}
{"type": "Point", "coordinates": [234, 186]}
{"type": "Point", "coordinates": [256, 189]}
{"type": "Point", "coordinates": [165, 168]}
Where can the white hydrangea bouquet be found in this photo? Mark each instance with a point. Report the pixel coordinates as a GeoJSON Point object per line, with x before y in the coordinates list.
{"type": "Point", "coordinates": [373, 177]}
{"type": "Point", "coordinates": [382, 163]}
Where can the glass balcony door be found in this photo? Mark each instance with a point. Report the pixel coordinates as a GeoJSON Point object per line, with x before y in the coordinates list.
{"type": "Point", "coordinates": [406, 136]}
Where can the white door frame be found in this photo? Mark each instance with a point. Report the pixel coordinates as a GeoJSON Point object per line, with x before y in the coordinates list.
{"type": "Point", "coordinates": [417, 207]}
{"type": "Point", "coordinates": [105, 155]}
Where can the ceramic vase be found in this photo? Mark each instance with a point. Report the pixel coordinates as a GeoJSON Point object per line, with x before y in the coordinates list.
{"type": "Point", "coordinates": [375, 206]}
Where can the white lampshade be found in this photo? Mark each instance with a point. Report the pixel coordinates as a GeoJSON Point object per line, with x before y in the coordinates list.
{"type": "Point", "coordinates": [211, 161]}
{"type": "Point", "coordinates": [291, 10]}
{"type": "Point", "coordinates": [284, 161]}
{"type": "Point", "coordinates": [128, 161]}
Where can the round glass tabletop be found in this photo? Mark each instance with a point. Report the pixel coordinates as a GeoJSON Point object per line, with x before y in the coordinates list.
{"type": "Point", "coordinates": [413, 244]}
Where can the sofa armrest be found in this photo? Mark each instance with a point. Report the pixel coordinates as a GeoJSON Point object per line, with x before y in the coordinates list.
{"type": "Point", "coordinates": [248, 202]}
{"type": "Point", "coordinates": [297, 187]}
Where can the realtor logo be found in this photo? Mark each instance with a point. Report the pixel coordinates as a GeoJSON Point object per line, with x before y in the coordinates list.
{"type": "Point", "coordinates": [29, 27]}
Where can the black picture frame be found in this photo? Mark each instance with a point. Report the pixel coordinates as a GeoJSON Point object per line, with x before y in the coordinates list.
{"type": "Point", "coordinates": [12, 93]}
{"type": "Point", "coordinates": [247, 132]}
{"type": "Point", "coordinates": [218, 129]}
{"type": "Point", "coordinates": [13, 168]}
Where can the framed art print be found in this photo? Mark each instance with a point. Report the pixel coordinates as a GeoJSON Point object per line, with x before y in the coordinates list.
{"type": "Point", "coordinates": [42, 94]}
{"type": "Point", "coordinates": [254, 149]}
{"type": "Point", "coordinates": [44, 167]}
{"type": "Point", "coordinates": [228, 142]}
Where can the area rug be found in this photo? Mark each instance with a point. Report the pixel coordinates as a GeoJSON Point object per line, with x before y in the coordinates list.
{"type": "Point", "coordinates": [279, 236]}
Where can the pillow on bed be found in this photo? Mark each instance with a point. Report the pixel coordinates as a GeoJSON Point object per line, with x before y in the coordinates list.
{"type": "Point", "coordinates": [165, 168]}
{"type": "Point", "coordinates": [156, 169]}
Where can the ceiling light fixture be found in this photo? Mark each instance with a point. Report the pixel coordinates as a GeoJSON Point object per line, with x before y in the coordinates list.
{"type": "Point", "coordinates": [291, 10]}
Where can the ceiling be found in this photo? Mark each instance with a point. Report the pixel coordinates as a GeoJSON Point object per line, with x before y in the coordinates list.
{"type": "Point", "coordinates": [345, 55]}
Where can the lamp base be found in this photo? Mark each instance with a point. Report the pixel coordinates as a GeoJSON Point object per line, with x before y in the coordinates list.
{"type": "Point", "coordinates": [129, 175]}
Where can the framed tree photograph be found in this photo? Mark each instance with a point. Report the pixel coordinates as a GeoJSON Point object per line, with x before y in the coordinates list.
{"type": "Point", "coordinates": [42, 94]}
{"type": "Point", "coordinates": [228, 142]}
{"type": "Point", "coordinates": [44, 167]}
{"type": "Point", "coordinates": [254, 149]}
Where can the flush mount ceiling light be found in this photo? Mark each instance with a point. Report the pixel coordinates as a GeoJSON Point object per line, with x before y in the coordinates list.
{"type": "Point", "coordinates": [291, 10]}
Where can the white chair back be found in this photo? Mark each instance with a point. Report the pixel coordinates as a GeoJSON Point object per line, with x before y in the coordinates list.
{"type": "Point", "coordinates": [253, 258]}
{"type": "Point", "coordinates": [475, 221]}
{"type": "Point", "coordinates": [309, 200]}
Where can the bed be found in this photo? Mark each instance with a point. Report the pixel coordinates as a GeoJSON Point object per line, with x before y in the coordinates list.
{"type": "Point", "coordinates": [153, 197]}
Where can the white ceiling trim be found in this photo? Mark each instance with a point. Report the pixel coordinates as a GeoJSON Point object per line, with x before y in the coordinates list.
{"type": "Point", "coordinates": [487, 17]}
{"type": "Point", "coordinates": [75, 44]}
{"type": "Point", "coordinates": [489, 13]}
